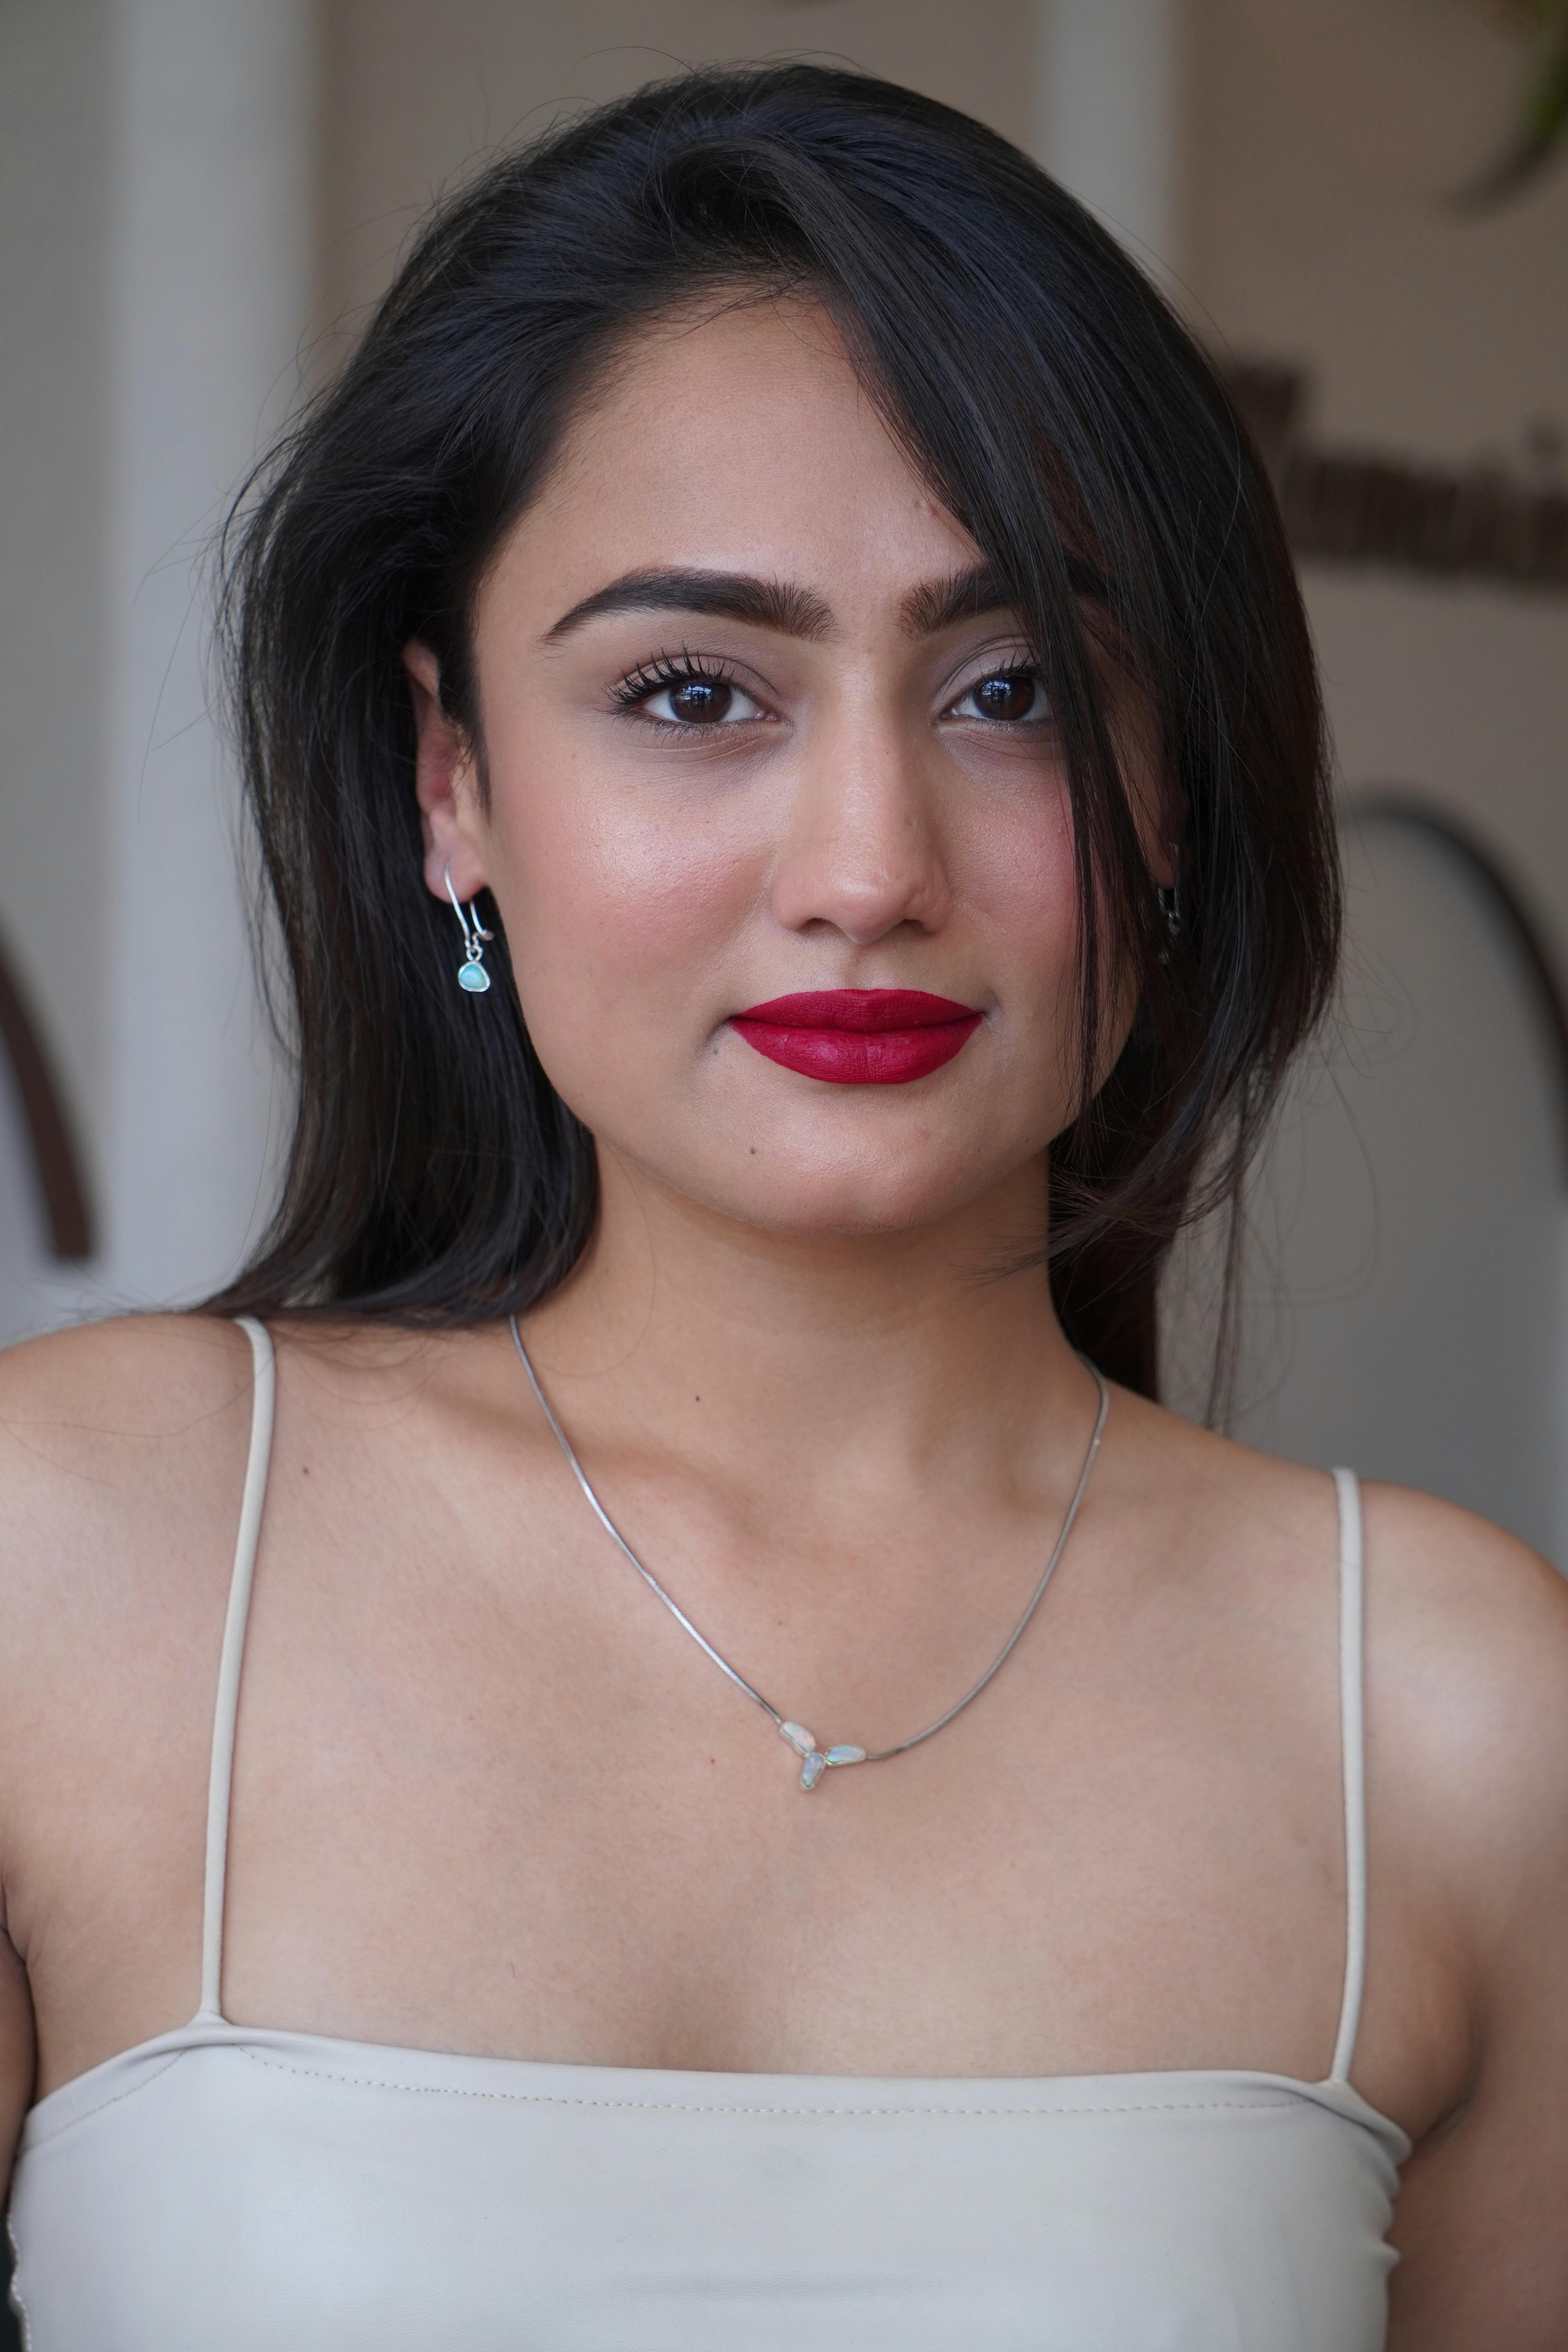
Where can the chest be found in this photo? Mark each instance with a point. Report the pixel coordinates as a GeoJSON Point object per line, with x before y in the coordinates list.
{"type": "Point", "coordinates": [562, 1832]}
{"type": "Point", "coordinates": [512, 1808]}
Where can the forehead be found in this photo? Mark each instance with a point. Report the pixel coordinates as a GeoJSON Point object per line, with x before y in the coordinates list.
{"type": "Point", "coordinates": [737, 439]}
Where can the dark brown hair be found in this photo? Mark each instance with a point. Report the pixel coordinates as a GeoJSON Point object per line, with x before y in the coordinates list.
{"type": "Point", "coordinates": [1063, 415]}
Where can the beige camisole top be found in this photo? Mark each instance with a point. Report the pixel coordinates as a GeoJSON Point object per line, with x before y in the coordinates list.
{"type": "Point", "coordinates": [225, 2189]}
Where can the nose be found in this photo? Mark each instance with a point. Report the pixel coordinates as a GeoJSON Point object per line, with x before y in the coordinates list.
{"type": "Point", "coordinates": [862, 853]}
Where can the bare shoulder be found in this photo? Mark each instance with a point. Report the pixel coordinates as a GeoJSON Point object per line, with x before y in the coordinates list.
{"type": "Point", "coordinates": [1467, 1659]}
{"type": "Point", "coordinates": [124, 1376]}
{"type": "Point", "coordinates": [1462, 1584]}
{"type": "Point", "coordinates": [1466, 1627]}
{"type": "Point", "coordinates": [122, 1444]}
{"type": "Point", "coordinates": [1468, 1676]}
{"type": "Point", "coordinates": [1265, 1528]}
{"type": "Point", "coordinates": [1444, 1582]}
{"type": "Point", "coordinates": [106, 1407]}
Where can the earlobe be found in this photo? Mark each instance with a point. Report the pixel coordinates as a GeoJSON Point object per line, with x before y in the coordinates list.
{"type": "Point", "coordinates": [443, 782]}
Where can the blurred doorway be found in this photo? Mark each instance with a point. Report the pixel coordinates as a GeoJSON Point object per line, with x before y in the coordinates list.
{"type": "Point", "coordinates": [1407, 1256]}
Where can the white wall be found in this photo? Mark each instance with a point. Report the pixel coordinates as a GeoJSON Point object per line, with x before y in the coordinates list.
{"type": "Point", "coordinates": [211, 259]}
{"type": "Point", "coordinates": [157, 242]}
{"type": "Point", "coordinates": [1110, 117]}
{"type": "Point", "coordinates": [415, 93]}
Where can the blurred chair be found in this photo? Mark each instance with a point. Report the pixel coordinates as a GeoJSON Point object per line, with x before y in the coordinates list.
{"type": "Point", "coordinates": [1408, 1254]}
{"type": "Point", "coordinates": [46, 1219]}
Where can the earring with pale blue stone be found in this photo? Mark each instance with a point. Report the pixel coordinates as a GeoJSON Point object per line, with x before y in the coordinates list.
{"type": "Point", "coordinates": [471, 973]}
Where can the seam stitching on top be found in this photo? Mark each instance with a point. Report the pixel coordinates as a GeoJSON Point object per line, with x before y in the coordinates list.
{"type": "Point", "coordinates": [694, 2107]}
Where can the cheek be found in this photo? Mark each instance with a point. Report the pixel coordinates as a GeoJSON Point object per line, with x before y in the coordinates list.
{"type": "Point", "coordinates": [1036, 922]}
{"type": "Point", "coordinates": [1020, 880]}
{"type": "Point", "coordinates": [621, 908]}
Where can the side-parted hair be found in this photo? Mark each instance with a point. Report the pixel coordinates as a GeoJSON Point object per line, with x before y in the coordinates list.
{"type": "Point", "coordinates": [1063, 415]}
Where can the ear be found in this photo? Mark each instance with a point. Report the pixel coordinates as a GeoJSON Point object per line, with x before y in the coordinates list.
{"type": "Point", "coordinates": [445, 784]}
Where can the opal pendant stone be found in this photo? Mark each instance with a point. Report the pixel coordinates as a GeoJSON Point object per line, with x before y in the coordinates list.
{"type": "Point", "coordinates": [814, 1760]}
{"type": "Point", "coordinates": [474, 978]}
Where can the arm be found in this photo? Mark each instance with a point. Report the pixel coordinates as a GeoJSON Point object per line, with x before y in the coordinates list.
{"type": "Point", "coordinates": [16, 2055]}
{"type": "Point", "coordinates": [1472, 1676]}
{"type": "Point", "coordinates": [118, 1453]}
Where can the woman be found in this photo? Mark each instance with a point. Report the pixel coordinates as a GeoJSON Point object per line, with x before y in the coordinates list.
{"type": "Point", "coordinates": [788, 765]}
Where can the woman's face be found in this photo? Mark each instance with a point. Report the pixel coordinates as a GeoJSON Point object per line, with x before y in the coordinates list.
{"type": "Point", "coordinates": [756, 729]}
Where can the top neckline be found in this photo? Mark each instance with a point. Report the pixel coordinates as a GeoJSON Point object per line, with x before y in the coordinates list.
{"type": "Point", "coordinates": [554, 2083]}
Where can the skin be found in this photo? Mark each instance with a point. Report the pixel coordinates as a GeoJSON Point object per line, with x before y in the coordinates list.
{"type": "Point", "coordinates": [489, 1797]}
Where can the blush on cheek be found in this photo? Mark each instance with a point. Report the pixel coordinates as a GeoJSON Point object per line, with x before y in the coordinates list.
{"type": "Point", "coordinates": [1022, 879]}
{"type": "Point", "coordinates": [623, 928]}
{"type": "Point", "coordinates": [1020, 888]}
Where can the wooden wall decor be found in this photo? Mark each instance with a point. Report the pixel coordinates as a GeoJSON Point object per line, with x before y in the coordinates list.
{"type": "Point", "coordinates": [1345, 506]}
{"type": "Point", "coordinates": [56, 1166]}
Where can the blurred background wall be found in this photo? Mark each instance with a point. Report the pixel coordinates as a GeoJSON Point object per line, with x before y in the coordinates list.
{"type": "Point", "coordinates": [199, 199]}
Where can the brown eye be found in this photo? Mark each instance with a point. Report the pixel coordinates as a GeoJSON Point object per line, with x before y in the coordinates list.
{"type": "Point", "coordinates": [1009, 695]}
{"type": "Point", "coordinates": [701, 702]}
{"type": "Point", "coordinates": [689, 700]}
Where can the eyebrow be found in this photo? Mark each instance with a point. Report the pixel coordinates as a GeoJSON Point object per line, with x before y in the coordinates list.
{"type": "Point", "coordinates": [792, 612]}
{"type": "Point", "coordinates": [937, 604]}
{"type": "Point", "coordinates": [724, 595]}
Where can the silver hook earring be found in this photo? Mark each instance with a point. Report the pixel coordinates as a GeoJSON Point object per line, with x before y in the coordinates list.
{"type": "Point", "coordinates": [471, 973]}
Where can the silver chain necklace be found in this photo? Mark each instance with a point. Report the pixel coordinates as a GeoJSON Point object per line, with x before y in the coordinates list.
{"type": "Point", "coordinates": [816, 1760]}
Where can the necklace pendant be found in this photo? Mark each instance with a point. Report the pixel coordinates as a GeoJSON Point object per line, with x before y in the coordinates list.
{"type": "Point", "coordinates": [814, 1763]}
{"type": "Point", "coordinates": [816, 1760]}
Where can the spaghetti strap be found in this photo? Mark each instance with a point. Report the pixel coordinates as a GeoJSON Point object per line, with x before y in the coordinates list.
{"type": "Point", "coordinates": [1353, 1742]}
{"type": "Point", "coordinates": [221, 1773]}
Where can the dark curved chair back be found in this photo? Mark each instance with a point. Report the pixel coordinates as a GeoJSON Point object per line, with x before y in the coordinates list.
{"type": "Point", "coordinates": [57, 1165]}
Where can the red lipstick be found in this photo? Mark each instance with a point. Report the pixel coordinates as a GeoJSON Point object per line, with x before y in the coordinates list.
{"type": "Point", "coordinates": [859, 1036]}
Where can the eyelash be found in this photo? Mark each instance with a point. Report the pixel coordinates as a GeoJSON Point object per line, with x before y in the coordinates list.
{"type": "Point", "coordinates": [650, 677]}
{"type": "Point", "coordinates": [1009, 669]}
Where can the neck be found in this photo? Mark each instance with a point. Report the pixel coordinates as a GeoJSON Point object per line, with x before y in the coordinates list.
{"type": "Point", "coordinates": [915, 1356]}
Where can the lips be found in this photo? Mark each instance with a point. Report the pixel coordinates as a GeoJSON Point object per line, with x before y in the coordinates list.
{"type": "Point", "coordinates": [859, 1036]}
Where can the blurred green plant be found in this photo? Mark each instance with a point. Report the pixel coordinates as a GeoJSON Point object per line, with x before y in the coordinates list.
{"type": "Point", "coordinates": [1543, 125]}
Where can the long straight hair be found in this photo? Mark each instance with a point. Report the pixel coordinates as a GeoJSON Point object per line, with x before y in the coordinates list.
{"type": "Point", "coordinates": [1060, 413]}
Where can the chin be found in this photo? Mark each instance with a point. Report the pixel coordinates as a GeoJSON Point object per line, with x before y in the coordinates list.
{"type": "Point", "coordinates": [875, 1197]}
